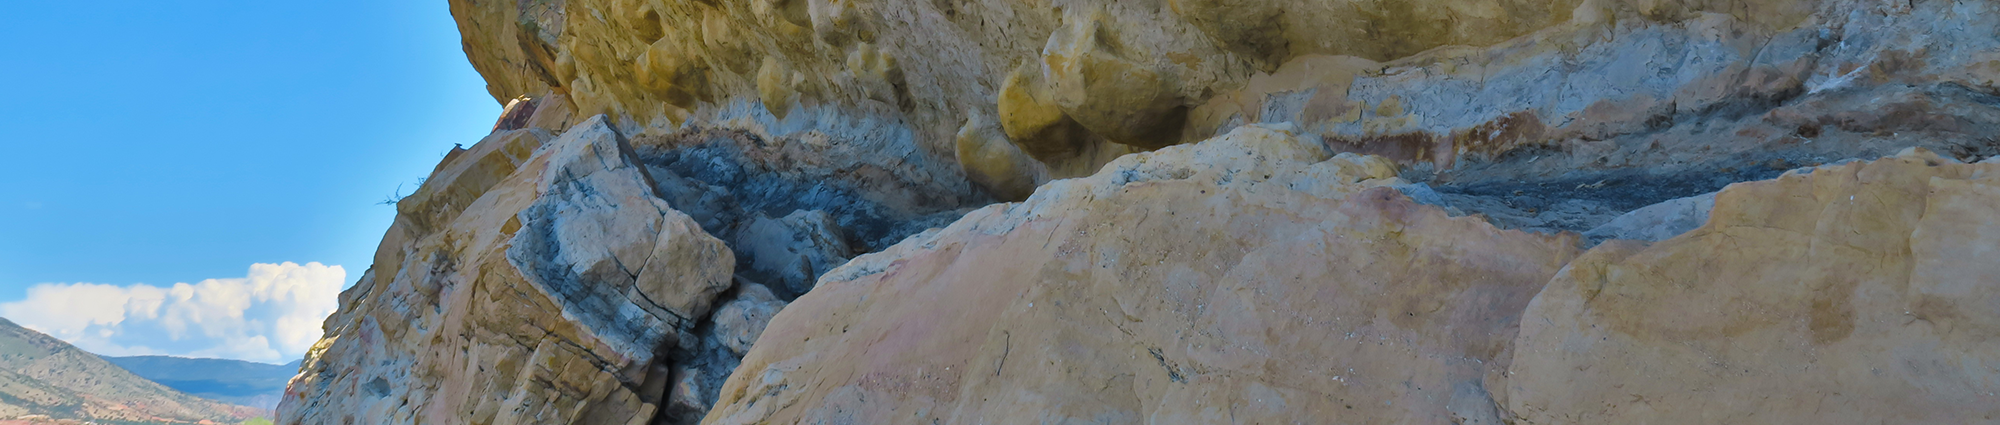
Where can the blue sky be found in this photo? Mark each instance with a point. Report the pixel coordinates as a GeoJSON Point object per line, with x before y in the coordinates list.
{"type": "Point", "coordinates": [164, 142]}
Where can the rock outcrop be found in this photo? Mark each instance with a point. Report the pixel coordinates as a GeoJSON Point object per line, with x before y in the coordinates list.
{"type": "Point", "coordinates": [1417, 211]}
{"type": "Point", "coordinates": [1253, 278]}
{"type": "Point", "coordinates": [1238, 281]}
{"type": "Point", "coordinates": [1850, 294]}
{"type": "Point", "coordinates": [1481, 93]}
{"type": "Point", "coordinates": [559, 271]}
{"type": "Point", "coordinates": [519, 288]}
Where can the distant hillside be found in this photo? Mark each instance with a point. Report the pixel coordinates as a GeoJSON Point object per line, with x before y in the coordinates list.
{"type": "Point", "coordinates": [41, 375]}
{"type": "Point", "coordinates": [246, 383]}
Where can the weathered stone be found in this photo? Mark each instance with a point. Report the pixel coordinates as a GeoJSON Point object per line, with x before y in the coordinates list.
{"type": "Point", "coordinates": [1247, 277]}
{"type": "Point", "coordinates": [1252, 28]}
{"type": "Point", "coordinates": [993, 162]}
{"type": "Point", "coordinates": [876, 74]}
{"type": "Point", "coordinates": [697, 380]}
{"type": "Point", "coordinates": [838, 23]}
{"type": "Point", "coordinates": [1689, 86]}
{"type": "Point", "coordinates": [667, 70]}
{"type": "Point", "coordinates": [1852, 294]}
{"type": "Point", "coordinates": [791, 252]}
{"type": "Point", "coordinates": [1239, 279]}
{"type": "Point", "coordinates": [739, 321]}
{"type": "Point", "coordinates": [726, 46]}
{"type": "Point", "coordinates": [518, 288]}
{"type": "Point", "coordinates": [1033, 120]}
{"type": "Point", "coordinates": [1568, 214]}
{"type": "Point", "coordinates": [1098, 84]}
{"type": "Point", "coordinates": [1657, 222]}
{"type": "Point", "coordinates": [774, 87]}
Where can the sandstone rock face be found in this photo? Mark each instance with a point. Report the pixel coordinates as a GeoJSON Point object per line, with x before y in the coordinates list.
{"type": "Point", "coordinates": [682, 187]}
{"type": "Point", "coordinates": [1250, 277]}
{"type": "Point", "coordinates": [1853, 294]}
{"type": "Point", "coordinates": [523, 287]}
{"type": "Point", "coordinates": [1845, 293]}
{"type": "Point", "coordinates": [538, 278]}
{"type": "Point", "coordinates": [1484, 92]}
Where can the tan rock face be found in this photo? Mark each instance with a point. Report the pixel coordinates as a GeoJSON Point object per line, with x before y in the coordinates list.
{"type": "Point", "coordinates": [1251, 276]}
{"type": "Point", "coordinates": [994, 162]}
{"type": "Point", "coordinates": [1853, 294]}
{"type": "Point", "coordinates": [686, 167]}
{"type": "Point", "coordinates": [1276, 291]}
{"type": "Point", "coordinates": [526, 283]}
{"type": "Point", "coordinates": [1475, 89]}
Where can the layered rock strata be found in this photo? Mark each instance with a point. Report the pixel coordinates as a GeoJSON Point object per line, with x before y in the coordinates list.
{"type": "Point", "coordinates": [1254, 278]}
{"type": "Point", "coordinates": [527, 283]}
{"type": "Point", "coordinates": [1003, 95]}
{"type": "Point", "coordinates": [1385, 187]}
{"type": "Point", "coordinates": [543, 278]}
{"type": "Point", "coordinates": [1243, 281]}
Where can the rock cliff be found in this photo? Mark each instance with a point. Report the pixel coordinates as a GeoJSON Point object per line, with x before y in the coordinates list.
{"type": "Point", "coordinates": [1235, 282]}
{"type": "Point", "coordinates": [1422, 211]}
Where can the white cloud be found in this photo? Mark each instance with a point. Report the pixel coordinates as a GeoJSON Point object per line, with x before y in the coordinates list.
{"type": "Point", "coordinates": [271, 315]}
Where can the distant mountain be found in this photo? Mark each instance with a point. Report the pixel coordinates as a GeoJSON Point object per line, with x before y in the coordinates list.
{"type": "Point", "coordinates": [44, 377]}
{"type": "Point", "coordinates": [246, 383]}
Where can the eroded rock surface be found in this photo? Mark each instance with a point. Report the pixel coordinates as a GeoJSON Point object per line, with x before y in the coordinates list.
{"type": "Point", "coordinates": [540, 279]}
{"type": "Point", "coordinates": [1853, 294]}
{"type": "Point", "coordinates": [792, 251]}
{"type": "Point", "coordinates": [1253, 277]}
{"type": "Point", "coordinates": [1385, 187]}
{"type": "Point", "coordinates": [1847, 293]}
{"type": "Point", "coordinates": [526, 281]}
{"type": "Point", "coordinates": [1483, 93]}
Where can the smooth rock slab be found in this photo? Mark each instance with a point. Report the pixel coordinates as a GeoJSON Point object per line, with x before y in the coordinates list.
{"type": "Point", "coordinates": [1858, 293]}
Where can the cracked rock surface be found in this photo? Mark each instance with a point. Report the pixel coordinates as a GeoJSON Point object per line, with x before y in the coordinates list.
{"type": "Point", "coordinates": [535, 278]}
{"type": "Point", "coordinates": [1252, 211]}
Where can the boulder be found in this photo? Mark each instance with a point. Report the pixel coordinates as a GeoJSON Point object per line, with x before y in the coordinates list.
{"type": "Point", "coordinates": [739, 321]}
{"type": "Point", "coordinates": [993, 161]}
{"type": "Point", "coordinates": [1250, 277]}
{"type": "Point", "coordinates": [1657, 222]}
{"type": "Point", "coordinates": [1032, 119]}
{"type": "Point", "coordinates": [1856, 293]}
{"type": "Point", "coordinates": [1099, 83]}
{"type": "Point", "coordinates": [697, 379]}
{"type": "Point", "coordinates": [792, 251]}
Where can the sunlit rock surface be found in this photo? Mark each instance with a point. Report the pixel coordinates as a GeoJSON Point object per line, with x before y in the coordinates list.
{"type": "Point", "coordinates": [1859, 293]}
{"type": "Point", "coordinates": [1481, 91]}
{"type": "Point", "coordinates": [548, 286]}
{"type": "Point", "coordinates": [1251, 278]}
{"type": "Point", "coordinates": [1229, 211]}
